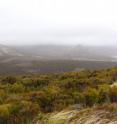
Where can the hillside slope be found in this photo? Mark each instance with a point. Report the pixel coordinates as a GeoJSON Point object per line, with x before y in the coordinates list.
{"type": "Point", "coordinates": [53, 59]}
{"type": "Point", "coordinates": [106, 114]}
{"type": "Point", "coordinates": [68, 98]}
{"type": "Point", "coordinates": [78, 52]}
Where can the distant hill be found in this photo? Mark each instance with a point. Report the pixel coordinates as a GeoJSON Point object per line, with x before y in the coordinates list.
{"type": "Point", "coordinates": [8, 51]}
{"type": "Point", "coordinates": [78, 52]}
{"type": "Point", "coordinates": [61, 52]}
{"type": "Point", "coordinates": [54, 59]}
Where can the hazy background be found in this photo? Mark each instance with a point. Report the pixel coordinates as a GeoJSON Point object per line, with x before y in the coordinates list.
{"type": "Point", "coordinates": [88, 22]}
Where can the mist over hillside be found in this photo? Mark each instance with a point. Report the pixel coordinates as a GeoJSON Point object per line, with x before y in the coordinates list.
{"type": "Point", "coordinates": [70, 52]}
{"type": "Point", "coordinates": [55, 58]}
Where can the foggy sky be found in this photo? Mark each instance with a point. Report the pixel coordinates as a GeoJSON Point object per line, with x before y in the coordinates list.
{"type": "Point", "coordinates": [90, 22]}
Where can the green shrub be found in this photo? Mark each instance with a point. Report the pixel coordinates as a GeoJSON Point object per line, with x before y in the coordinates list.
{"type": "Point", "coordinates": [17, 88]}
{"type": "Point", "coordinates": [91, 97]}
{"type": "Point", "coordinates": [104, 93]}
{"type": "Point", "coordinates": [113, 94]}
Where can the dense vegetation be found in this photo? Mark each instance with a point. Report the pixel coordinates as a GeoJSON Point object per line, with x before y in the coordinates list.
{"type": "Point", "coordinates": [22, 98]}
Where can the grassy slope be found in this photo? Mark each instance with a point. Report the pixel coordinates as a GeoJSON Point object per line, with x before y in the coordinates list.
{"type": "Point", "coordinates": [106, 114]}
{"type": "Point", "coordinates": [23, 97]}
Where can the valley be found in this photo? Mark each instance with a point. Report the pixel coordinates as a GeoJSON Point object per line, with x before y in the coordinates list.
{"type": "Point", "coordinates": [54, 59]}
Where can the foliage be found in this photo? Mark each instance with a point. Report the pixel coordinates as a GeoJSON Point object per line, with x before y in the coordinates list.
{"type": "Point", "coordinates": [23, 97]}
